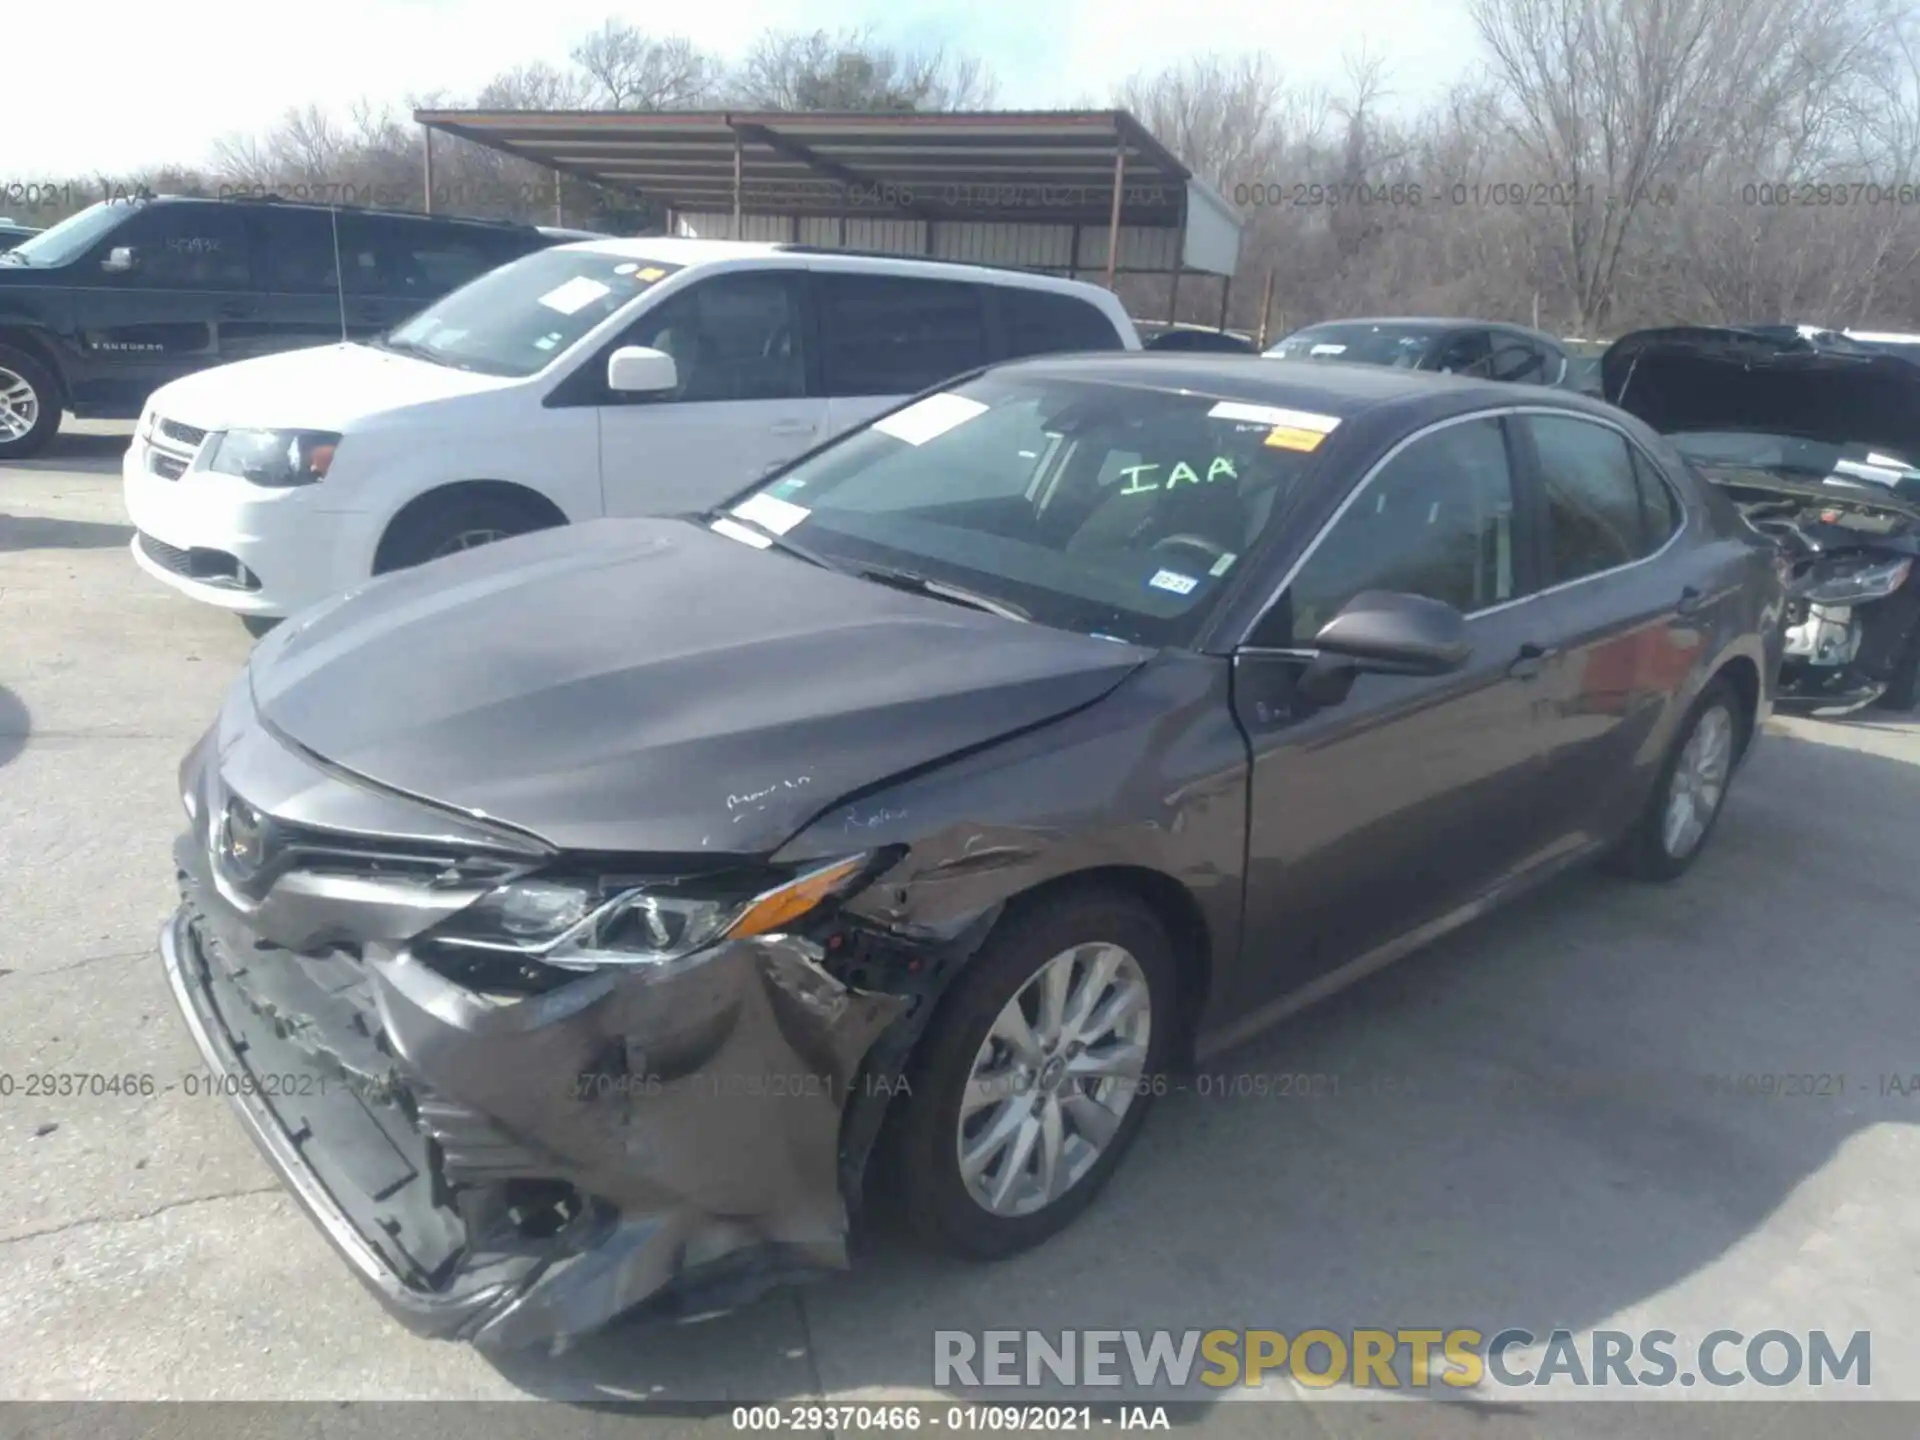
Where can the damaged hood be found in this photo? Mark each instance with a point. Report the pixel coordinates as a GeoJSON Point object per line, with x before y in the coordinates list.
{"type": "Point", "coordinates": [647, 686]}
{"type": "Point", "coordinates": [1710, 380]}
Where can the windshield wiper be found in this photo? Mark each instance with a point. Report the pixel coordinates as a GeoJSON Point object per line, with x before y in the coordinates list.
{"type": "Point", "coordinates": [409, 347]}
{"type": "Point", "coordinates": [940, 590]}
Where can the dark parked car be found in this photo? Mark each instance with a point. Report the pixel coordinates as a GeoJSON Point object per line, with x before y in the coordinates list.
{"type": "Point", "coordinates": [1815, 437]}
{"type": "Point", "coordinates": [101, 310]}
{"type": "Point", "coordinates": [1067, 724]}
{"type": "Point", "coordinates": [1488, 349]}
{"type": "Point", "coordinates": [1161, 336]}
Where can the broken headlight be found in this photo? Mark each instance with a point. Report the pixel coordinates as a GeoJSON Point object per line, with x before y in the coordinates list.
{"type": "Point", "coordinates": [586, 925]}
{"type": "Point", "coordinates": [1863, 582]}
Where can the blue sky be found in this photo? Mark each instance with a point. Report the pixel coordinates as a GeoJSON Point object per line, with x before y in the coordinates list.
{"type": "Point", "coordinates": [111, 91]}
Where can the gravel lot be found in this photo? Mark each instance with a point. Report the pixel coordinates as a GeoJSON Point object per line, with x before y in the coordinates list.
{"type": "Point", "coordinates": [1471, 1171]}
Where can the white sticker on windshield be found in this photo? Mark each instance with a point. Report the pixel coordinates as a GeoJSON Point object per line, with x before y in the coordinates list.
{"type": "Point", "coordinates": [1223, 564]}
{"type": "Point", "coordinates": [1173, 580]}
{"type": "Point", "coordinates": [1324, 348]}
{"type": "Point", "coordinates": [732, 531]}
{"type": "Point", "coordinates": [771, 513]}
{"type": "Point", "coordinates": [1274, 415]}
{"type": "Point", "coordinates": [576, 294]}
{"type": "Point", "coordinates": [932, 416]}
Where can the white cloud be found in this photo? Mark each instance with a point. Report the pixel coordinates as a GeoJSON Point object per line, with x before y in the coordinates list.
{"type": "Point", "coordinates": [113, 91]}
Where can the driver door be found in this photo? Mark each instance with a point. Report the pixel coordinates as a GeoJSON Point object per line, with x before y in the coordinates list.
{"type": "Point", "coordinates": [1380, 813]}
{"type": "Point", "coordinates": [743, 405]}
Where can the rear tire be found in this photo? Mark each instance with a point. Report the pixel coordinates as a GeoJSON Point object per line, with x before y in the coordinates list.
{"type": "Point", "coordinates": [29, 405]}
{"type": "Point", "coordinates": [1063, 1121]}
{"type": "Point", "coordinates": [1686, 802]}
{"type": "Point", "coordinates": [1903, 688]}
{"type": "Point", "coordinates": [454, 522]}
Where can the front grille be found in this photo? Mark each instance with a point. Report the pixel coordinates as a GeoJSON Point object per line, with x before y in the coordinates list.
{"type": "Point", "coordinates": [187, 435]}
{"type": "Point", "coordinates": [166, 465]}
{"type": "Point", "coordinates": [209, 567]}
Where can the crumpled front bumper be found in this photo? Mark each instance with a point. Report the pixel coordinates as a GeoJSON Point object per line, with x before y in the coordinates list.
{"type": "Point", "coordinates": [520, 1169]}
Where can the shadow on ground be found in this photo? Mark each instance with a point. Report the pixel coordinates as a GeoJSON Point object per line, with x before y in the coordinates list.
{"type": "Point", "coordinates": [1526, 1124]}
{"type": "Point", "coordinates": [40, 532]}
{"type": "Point", "coordinates": [15, 726]}
{"type": "Point", "coordinates": [84, 451]}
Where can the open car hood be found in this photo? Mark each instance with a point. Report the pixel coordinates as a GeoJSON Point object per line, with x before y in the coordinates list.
{"type": "Point", "coordinates": [1710, 378]}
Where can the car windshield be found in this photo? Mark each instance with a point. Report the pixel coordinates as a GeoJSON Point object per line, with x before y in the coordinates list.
{"type": "Point", "coordinates": [1362, 343]}
{"type": "Point", "coordinates": [520, 318]}
{"type": "Point", "coordinates": [1109, 509]}
{"type": "Point", "coordinates": [73, 236]}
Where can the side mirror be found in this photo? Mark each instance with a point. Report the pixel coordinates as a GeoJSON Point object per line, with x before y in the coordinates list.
{"type": "Point", "coordinates": [120, 260]}
{"type": "Point", "coordinates": [1396, 634]}
{"type": "Point", "coordinates": [638, 370]}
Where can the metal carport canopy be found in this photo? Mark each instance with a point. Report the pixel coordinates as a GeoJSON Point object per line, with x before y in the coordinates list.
{"type": "Point", "coordinates": [1098, 175]}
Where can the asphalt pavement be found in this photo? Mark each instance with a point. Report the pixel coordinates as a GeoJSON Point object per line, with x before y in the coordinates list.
{"type": "Point", "coordinates": [1539, 1122]}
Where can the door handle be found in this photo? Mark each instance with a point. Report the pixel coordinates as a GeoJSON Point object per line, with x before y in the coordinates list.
{"type": "Point", "coordinates": [1691, 599]}
{"type": "Point", "coordinates": [1530, 662]}
{"type": "Point", "coordinates": [790, 427]}
{"type": "Point", "coordinates": [237, 310]}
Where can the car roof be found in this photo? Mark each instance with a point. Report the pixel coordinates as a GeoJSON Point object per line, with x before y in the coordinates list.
{"type": "Point", "coordinates": [1439, 322]}
{"type": "Point", "coordinates": [1342, 391]}
{"type": "Point", "coordinates": [310, 206]}
{"type": "Point", "coordinates": [687, 251]}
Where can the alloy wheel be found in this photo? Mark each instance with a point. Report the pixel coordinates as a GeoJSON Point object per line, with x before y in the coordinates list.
{"type": "Point", "coordinates": [467, 540]}
{"type": "Point", "coordinates": [1699, 782]}
{"type": "Point", "coordinates": [1053, 1079]}
{"type": "Point", "coordinates": [19, 406]}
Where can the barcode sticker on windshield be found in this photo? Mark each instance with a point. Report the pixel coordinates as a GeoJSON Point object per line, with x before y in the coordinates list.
{"type": "Point", "coordinates": [771, 513]}
{"type": "Point", "coordinates": [576, 294]}
{"type": "Point", "coordinates": [1275, 415]}
{"type": "Point", "coordinates": [1325, 348]}
{"type": "Point", "coordinates": [932, 416]}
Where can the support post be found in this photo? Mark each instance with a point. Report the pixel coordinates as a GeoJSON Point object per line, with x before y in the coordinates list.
{"type": "Point", "coordinates": [427, 150]}
{"type": "Point", "coordinates": [559, 206]}
{"type": "Point", "coordinates": [1226, 292]}
{"type": "Point", "coordinates": [1173, 298]}
{"type": "Point", "coordinates": [1113, 219]}
{"type": "Point", "coordinates": [1266, 310]}
{"type": "Point", "coordinates": [738, 167]}
{"type": "Point", "coordinates": [1073, 255]}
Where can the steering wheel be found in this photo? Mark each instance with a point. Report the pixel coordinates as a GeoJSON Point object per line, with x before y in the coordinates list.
{"type": "Point", "coordinates": [1207, 547]}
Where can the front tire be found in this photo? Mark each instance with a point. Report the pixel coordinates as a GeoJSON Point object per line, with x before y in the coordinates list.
{"type": "Point", "coordinates": [1036, 1073]}
{"type": "Point", "coordinates": [29, 405]}
{"type": "Point", "coordinates": [1691, 792]}
{"type": "Point", "coordinates": [452, 523]}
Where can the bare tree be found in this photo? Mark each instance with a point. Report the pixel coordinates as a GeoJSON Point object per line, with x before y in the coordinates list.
{"type": "Point", "coordinates": [849, 70]}
{"type": "Point", "coordinates": [626, 69]}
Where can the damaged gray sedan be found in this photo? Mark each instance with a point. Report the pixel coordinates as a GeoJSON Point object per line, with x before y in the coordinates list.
{"type": "Point", "coordinates": [591, 921]}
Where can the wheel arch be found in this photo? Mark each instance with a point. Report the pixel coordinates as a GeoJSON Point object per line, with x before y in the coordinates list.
{"type": "Point", "coordinates": [1743, 675]}
{"type": "Point", "coordinates": [535, 502]}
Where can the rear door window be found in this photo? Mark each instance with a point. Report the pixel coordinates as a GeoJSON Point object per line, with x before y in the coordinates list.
{"type": "Point", "coordinates": [1591, 495]}
{"type": "Point", "coordinates": [1465, 352]}
{"type": "Point", "coordinates": [1039, 322]}
{"type": "Point", "coordinates": [893, 334]}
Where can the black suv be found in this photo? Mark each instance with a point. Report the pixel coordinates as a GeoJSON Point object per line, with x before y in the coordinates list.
{"type": "Point", "coordinates": [99, 311]}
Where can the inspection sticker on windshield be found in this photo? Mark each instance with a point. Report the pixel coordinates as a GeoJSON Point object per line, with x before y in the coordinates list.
{"type": "Point", "coordinates": [1275, 415]}
{"type": "Point", "coordinates": [1291, 437]}
{"type": "Point", "coordinates": [1173, 580]}
{"type": "Point", "coordinates": [932, 416]}
{"type": "Point", "coordinates": [576, 294]}
{"type": "Point", "coordinates": [771, 513]}
{"type": "Point", "coordinates": [1327, 349]}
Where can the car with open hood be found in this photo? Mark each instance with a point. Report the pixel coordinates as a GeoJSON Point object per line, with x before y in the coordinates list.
{"type": "Point", "coordinates": [1816, 438]}
{"type": "Point", "coordinates": [596, 919]}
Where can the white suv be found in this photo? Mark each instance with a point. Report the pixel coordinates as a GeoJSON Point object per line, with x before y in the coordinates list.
{"type": "Point", "coordinates": [615, 377]}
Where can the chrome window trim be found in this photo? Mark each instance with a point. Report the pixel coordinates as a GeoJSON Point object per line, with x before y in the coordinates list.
{"type": "Point", "coordinates": [1496, 413]}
